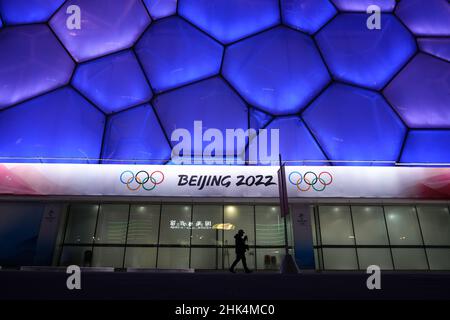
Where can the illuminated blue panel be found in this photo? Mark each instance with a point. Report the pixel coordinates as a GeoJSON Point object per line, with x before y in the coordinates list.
{"type": "Point", "coordinates": [31, 62]}
{"type": "Point", "coordinates": [307, 15]}
{"type": "Point", "coordinates": [258, 119]}
{"type": "Point", "coordinates": [439, 47]}
{"type": "Point", "coordinates": [427, 146]}
{"type": "Point", "coordinates": [365, 57]}
{"type": "Point", "coordinates": [355, 124]}
{"type": "Point", "coordinates": [426, 18]}
{"type": "Point", "coordinates": [1, 23]}
{"type": "Point", "coordinates": [296, 143]}
{"type": "Point", "coordinates": [28, 11]}
{"type": "Point", "coordinates": [174, 53]}
{"type": "Point", "coordinates": [106, 27]}
{"type": "Point", "coordinates": [230, 20]}
{"type": "Point", "coordinates": [421, 93]}
{"type": "Point", "coordinates": [61, 124]}
{"type": "Point", "coordinates": [362, 5]}
{"type": "Point", "coordinates": [161, 8]}
{"type": "Point", "coordinates": [211, 101]}
{"type": "Point", "coordinates": [279, 70]}
{"type": "Point", "coordinates": [114, 82]}
{"type": "Point", "coordinates": [135, 134]}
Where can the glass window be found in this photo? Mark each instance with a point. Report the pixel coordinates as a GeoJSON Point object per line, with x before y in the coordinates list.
{"type": "Point", "coordinates": [229, 255]}
{"type": "Point", "coordinates": [375, 256]}
{"type": "Point", "coordinates": [81, 223]}
{"type": "Point", "coordinates": [313, 227]}
{"type": "Point", "coordinates": [370, 227]}
{"type": "Point", "coordinates": [206, 258]}
{"type": "Point", "coordinates": [339, 259]}
{"type": "Point", "coordinates": [403, 225]}
{"type": "Point", "coordinates": [140, 257]}
{"type": "Point", "coordinates": [175, 224]}
{"type": "Point", "coordinates": [409, 259]}
{"type": "Point", "coordinates": [438, 258]}
{"type": "Point", "coordinates": [108, 257]}
{"type": "Point", "coordinates": [144, 224]}
{"type": "Point", "coordinates": [336, 225]}
{"type": "Point", "coordinates": [79, 256]}
{"type": "Point", "coordinates": [236, 218]}
{"type": "Point", "coordinates": [207, 225]}
{"type": "Point", "coordinates": [173, 258]}
{"type": "Point", "coordinates": [269, 259]}
{"type": "Point", "coordinates": [435, 223]}
{"type": "Point", "coordinates": [112, 224]}
{"type": "Point", "coordinates": [269, 226]}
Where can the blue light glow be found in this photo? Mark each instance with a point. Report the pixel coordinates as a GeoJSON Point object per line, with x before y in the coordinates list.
{"type": "Point", "coordinates": [28, 11]}
{"type": "Point", "coordinates": [427, 146]}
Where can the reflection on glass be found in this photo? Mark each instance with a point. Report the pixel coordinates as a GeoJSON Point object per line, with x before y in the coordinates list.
{"type": "Point", "coordinates": [435, 223]}
{"type": "Point", "coordinates": [144, 224]}
{"type": "Point", "coordinates": [175, 224]}
{"type": "Point", "coordinates": [112, 224]}
{"type": "Point", "coordinates": [336, 225]}
{"type": "Point", "coordinates": [207, 225]}
{"type": "Point", "coordinates": [403, 225]}
{"type": "Point", "coordinates": [370, 227]}
{"type": "Point", "coordinates": [269, 226]}
{"type": "Point", "coordinates": [81, 223]}
{"type": "Point", "coordinates": [241, 217]}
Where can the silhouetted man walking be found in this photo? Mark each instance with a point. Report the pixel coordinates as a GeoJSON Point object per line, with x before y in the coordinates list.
{"type": "Point", "coordinates": [241, 247]}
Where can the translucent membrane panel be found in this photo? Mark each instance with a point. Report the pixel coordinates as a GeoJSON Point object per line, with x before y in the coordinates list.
{"type": "Point", "coordinates": [173, 258]}
{"type": "Point", "coordinates": [403, 225]}
{"type": "Point", "coordinates": [112, 224]}
{"type": "Point", "coordinates": [348, 47]}
{"type": "Point", "coordinates": [292, 75]}
{"type": "Point", "coordinates": [206, 258]}
{"type": "Point", "coordinates": [144, 224]}
{"type": "Point", "coordinates": [362, 5]}
{"type": "Point", "coordinates": [81, 223]}
{"type": "Point", "coordinates": [375, 256]}
{"type": "Point", "coordinates": [435, 224]}
{"type": "Point", "coordinates": [108, 257]}
{"type": "Point", "coordinates": [79, 256]}
{"type": "Point", "coordinates": [339, 259]}
{"type": "Point", "coordinates": [175, 225]}
{"type": "Point", "coordinates": [439, 47]}
{"type": "Point", "coordinates": [426, 103]}
{"type": "Point", "coordinates": [269, 226]}
{"type": "Point", "coordinates": [427, 146]}
{"type": "Point", "coordinates": [230, 20]}
{"type": "Point", "coordinates": [336, 225]}
{"type": "Point", "coordinates": [370, 226]}
{"type": "Point", "coordinates": [438, 258]}
{"type": "Point", "coordinates": [409, 259]}
{"type": "Point", "coordinates": [207, 225]}
{"type": "Point", "coordinates": [307, 15]}
{"type": "Point", "coordinates": [161, 8]}
{"type": "Point", "coordinates": [28, 11]}
{"type": "Point", "coordinates": [237, 218]}
{"type": "Point", "coordinates": [269, 259]}
{"type": "Point", "coordinates": [140, 257]}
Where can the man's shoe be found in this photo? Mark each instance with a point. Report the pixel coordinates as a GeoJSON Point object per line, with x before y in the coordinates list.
{"type": "Point", "coordinates": [232, 271]}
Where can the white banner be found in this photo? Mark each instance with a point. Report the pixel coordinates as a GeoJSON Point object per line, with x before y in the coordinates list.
{"type": "Point", "coordinates": [223, 181]}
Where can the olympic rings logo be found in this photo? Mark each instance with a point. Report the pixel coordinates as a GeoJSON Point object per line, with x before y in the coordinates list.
{"type": "Point", "coordinates": [310, 180]}
{"type": "Point", "coordinates": [142, 179]}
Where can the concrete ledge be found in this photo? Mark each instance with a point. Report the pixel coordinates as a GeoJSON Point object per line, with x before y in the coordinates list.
{"type": "Point", "coordinates": [160, 270]}
{"type": "Point", "coordinates": [63, 269]}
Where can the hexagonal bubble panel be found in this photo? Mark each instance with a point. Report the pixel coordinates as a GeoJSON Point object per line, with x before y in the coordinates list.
{"type": "Point", "coordinates": [427, 146]}
{"type": "Point", "coordinates": [102, 81]}
{"type": "Point", "coordinates": [439, 47]}
{"type": "Point", "coordinates": [307, 15]}
{"type": "Point", "coordinates": [365, 57]}
{"type": "Point", "coordinates": [161, 8]}
{"type": "Point", "coordinates": [424, 18]}
{"type": "Point", "coordinates": [28, 11]}
{"type": "Point", "coordinates": [296, 143]}
{"type": "Point", "coordinates": [174, 53]}
{"type": "Point", "coordinates": [362, 5]}
{"type": "Point", "coordinates": [1, 23]}
{"type": "Point", "coordinates": [355, 124]}
{"type": "Point", "coordinates": [31, 62]}
{"type": "Point", "coordinates": [420, 93]}
{"type": "Point", "coordinates": [105, 28]}
{"type": "Point", "coordinates": [135, 135]}
{"type": "Point", "coordinates": [258, 119]}
{"type": "Point", "coordinates": [279, 71]}
{"type": "Point", "coordinates": [60, 124]}
{"type": "Point", "coordinates": [211, 101]}
{"type": "Point", "coordinates": [230, 20]}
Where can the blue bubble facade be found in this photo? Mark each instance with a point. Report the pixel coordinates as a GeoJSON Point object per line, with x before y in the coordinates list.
{"type": "Point", "coordinates": [114, 90]}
